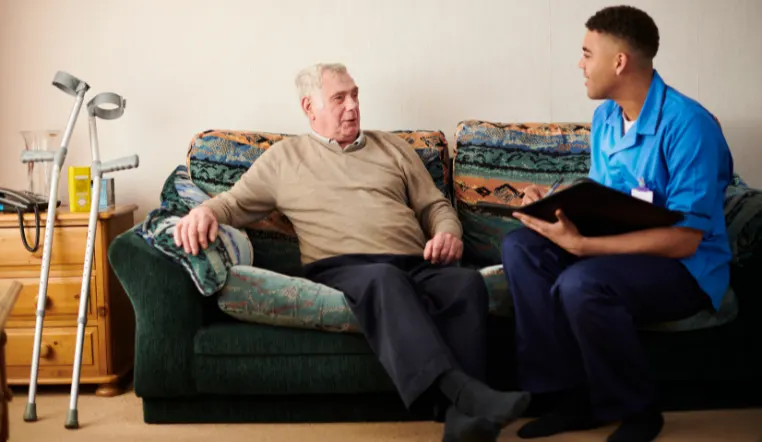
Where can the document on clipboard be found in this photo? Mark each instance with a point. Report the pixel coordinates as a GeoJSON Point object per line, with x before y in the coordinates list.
{"type": "Point", "coordinates": [595, 209]}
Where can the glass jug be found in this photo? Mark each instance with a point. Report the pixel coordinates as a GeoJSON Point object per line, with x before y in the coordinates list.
{"type": "Point", "coordinates": [38, 175]}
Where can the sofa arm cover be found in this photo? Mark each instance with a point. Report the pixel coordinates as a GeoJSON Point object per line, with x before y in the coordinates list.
{"type": "Point", "coordinates": [168, 313]}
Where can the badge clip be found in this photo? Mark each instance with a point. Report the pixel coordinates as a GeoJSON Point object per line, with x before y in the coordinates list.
{"type": "Point", "coordinates": [642, 192]}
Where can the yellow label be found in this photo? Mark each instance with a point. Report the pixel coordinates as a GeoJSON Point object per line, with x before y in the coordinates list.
{"type": "Point", "coordinates": [79, 188]}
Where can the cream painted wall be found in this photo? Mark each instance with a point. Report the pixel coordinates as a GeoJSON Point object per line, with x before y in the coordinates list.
{"type": "Point", "coordinates": [190, 65]}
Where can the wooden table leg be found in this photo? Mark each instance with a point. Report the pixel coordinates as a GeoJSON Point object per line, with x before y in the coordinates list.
{"type": "Point", "coordinates": [5, 393]}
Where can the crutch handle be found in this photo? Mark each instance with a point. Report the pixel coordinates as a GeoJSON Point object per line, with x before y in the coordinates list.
{"type": "Point", "coordinates": [125, 163]}
{"type": "Point", "coordinates": [37, 156]}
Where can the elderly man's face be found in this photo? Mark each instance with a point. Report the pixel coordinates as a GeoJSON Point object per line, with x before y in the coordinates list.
{"type": "Point", "coordinates": [339, 118]}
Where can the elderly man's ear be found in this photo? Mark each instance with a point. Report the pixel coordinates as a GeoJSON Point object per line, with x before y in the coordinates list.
{"type": "Point", "coordinates": [307, 108]}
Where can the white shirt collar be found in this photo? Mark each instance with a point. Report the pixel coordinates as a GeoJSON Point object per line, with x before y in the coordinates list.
{"type": "Point", "coordinates": [358, 142]}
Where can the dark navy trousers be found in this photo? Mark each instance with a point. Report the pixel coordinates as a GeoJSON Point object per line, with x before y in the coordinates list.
{"type": "Point", "coordinates": [419, 318]}
{"type": "Point", "coordinates": [577, 318]}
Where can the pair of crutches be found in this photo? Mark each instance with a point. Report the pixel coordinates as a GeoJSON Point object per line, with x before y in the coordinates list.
{"type": "Point", "coordinates": [77, 88]}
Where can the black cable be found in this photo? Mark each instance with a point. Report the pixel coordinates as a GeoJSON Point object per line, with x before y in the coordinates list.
{"type": "Point", "coordinates": [36, 226]}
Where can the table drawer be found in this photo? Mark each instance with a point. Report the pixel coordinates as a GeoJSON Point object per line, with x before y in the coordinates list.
{"type": "Point", "coordinates": [58, 345]}
{"type": "Point", "coordinates": [68, 246]}
{"type": "Point", "coordinates": [63, 297]}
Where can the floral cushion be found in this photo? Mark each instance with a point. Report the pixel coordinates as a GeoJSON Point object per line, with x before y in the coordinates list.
{"type": "Point", "coordinates": [209, 268]}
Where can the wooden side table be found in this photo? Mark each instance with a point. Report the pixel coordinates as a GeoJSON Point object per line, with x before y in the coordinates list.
{"type": "Point", "coordinates": [108, 347]}
{"type": "Point", "coordinates": [9, 292]}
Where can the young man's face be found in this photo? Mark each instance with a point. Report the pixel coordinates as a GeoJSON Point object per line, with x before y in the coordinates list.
{"type": "Point", "coordinates": [601, 63]}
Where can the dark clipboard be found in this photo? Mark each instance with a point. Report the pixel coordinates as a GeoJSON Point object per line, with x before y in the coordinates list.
{"type": "Point", "coordinates": [595, 209]}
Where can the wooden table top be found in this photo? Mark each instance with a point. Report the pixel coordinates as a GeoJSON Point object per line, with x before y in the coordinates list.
{"type": "Point", "coordinates": [9, 292]}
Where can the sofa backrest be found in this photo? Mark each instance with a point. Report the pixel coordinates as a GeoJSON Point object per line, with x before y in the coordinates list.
{"type": "Point", "coordinates": [216, 159]}
{"type": "Point", "coordinates": [491, 158]}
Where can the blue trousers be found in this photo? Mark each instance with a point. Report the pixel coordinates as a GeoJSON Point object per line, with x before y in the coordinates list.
{"type": "Point", "coordinates": [577, 318]}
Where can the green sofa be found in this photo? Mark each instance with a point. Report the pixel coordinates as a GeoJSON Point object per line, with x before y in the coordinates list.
{"type": "Point", "coordinates": [195, 362]}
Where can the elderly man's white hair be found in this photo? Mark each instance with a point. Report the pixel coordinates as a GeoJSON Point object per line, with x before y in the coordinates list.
{"type": "Point", "coordinates": [309, 81]}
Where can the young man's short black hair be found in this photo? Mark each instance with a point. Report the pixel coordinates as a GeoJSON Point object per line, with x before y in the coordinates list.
{"type": "Point", "coordinates": [630, 24]}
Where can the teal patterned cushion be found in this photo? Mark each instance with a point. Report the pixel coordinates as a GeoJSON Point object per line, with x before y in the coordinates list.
{"type": "Point", "coordinates": [743, 214]}
{"type": "Point", "coordinates": [265, 297]}
{"type": "Point", "coordinates": [493, 157]}
{"type": "Point", "coordinates": [209, 268]}
{"type": "Point", "coordinates": [216, 159]}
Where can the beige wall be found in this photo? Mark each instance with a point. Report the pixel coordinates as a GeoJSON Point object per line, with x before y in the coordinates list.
{"type": "Point", "coordinates": [185, 66]}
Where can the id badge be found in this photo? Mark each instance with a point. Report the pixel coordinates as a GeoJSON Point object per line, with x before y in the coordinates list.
{"type": "Point", "coordinates": [642, 192]}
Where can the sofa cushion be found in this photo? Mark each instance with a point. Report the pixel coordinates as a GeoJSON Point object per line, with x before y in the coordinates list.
{"type": "Point", "coordinates": [216, 159]}
{"type": "Point", "coordinates": [266, 297]}
{"type": "Point", "coordinates": [491, 158]}
{"type": "Point", "coordinates": [262, 296]}
{"type": "Point", "coordinates": [244, 359]}
{"type": "Point", "coordinates": [209, 268]}
{"type": "Point", "coordinates": [743, 214]}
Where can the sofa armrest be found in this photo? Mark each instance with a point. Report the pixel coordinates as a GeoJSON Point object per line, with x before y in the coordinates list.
{"type": "Point", "coordinates": [169, 310]}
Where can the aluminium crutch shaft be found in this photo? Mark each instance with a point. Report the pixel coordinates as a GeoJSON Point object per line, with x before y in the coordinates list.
{"type": "Point", "coordinates": [97, 170]}
{"type": "Point", "coordinates": [77, 88]}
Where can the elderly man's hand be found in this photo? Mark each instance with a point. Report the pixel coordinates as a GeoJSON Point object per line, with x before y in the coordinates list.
{"type": "Point", "coordinates": [199, 227]}
{"type": "Point", "coordinates": [443, 248]}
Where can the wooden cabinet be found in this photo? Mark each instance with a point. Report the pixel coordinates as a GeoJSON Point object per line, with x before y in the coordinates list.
{"type": "Point", "coordinates": [109, 335]}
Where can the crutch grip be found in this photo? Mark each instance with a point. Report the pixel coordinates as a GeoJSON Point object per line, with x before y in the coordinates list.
{"type": "Point", "coordinates": [37, 156]}
{"type": "Point", "coordinates": [125, 163]}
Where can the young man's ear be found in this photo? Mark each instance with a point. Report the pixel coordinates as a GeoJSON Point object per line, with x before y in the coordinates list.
{"type": "Point", "coordinates": [622, 60]}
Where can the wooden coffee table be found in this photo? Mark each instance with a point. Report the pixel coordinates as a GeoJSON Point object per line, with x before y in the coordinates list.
{"type": "Point", "coordinates": [9, 292]}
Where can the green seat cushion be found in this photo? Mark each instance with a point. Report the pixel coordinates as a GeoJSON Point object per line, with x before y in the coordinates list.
{"type": "Point", "coordinates": [240, 358]}
{"type": "Point", "coordinates": [262, 296]}
{"type": "Point", "coordinates": [242, 339]}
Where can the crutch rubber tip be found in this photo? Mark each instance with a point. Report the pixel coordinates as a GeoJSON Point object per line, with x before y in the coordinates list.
{"type": "Point", "coordinates": [71, 420]}
{"type": "Point", "coordinates": [30, 414]}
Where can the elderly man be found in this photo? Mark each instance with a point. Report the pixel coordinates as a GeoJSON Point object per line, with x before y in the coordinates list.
{"type": "Point", "coordinates": [372, 224]}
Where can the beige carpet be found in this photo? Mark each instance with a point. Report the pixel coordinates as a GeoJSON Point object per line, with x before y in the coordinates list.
{"type": "Point", "coordinates": [120, 419]}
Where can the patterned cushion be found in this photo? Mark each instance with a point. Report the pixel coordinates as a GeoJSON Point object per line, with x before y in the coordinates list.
{"type": "Point", "coordinates": [492, 157]}
{"type": "Point", "coordinates": [258, 295]}
{"type": "Point", "coordinates": [743, 214]}
{"type": "Point", "coordinates": [262, 296]}
{"type": "Point", "coordinates": [209, 268]}
{"type": "Point", "coordinates": [217, 158]}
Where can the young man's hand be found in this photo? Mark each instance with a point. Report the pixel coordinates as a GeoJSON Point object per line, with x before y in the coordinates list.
{"type": "Point", "coordinates": [562, 232]}
{"type": "Point", "coordinates": [443, 248]}
{"type": "Point", "coordinates": [532, 193]}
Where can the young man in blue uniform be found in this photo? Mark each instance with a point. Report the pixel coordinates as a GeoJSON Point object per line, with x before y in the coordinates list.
{"type": "Point", "coordinates": [579, 300]}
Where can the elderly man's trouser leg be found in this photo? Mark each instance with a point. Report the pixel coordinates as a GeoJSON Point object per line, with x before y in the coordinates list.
{"type": "Point", "coordinates": [577, 320]}
{"type": "Point", "coordinates": [420, 320]}
{"type": "Point", "coordinates": [427, 325]}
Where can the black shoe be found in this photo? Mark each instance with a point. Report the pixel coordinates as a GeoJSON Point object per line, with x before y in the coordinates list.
{"type": "Point", "coordinates": [573, 413]}
{"type": "Point", "coordinates": [640, 427]}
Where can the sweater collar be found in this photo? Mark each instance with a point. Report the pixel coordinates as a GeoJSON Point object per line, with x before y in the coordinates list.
{"type": "Point", "coordinates": [333, 145]}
